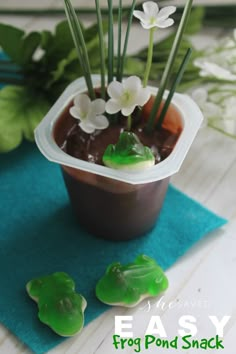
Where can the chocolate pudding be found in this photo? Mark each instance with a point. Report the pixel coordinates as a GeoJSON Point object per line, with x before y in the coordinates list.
{"type": "Point", "coordinates": [107, 207]}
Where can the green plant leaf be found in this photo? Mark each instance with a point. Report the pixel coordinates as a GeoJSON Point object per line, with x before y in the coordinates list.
{"type": "Point", "coordinates": [29, 45]}
{"type": "Point", "coordinates": [46, 40]}
{"type": "Point", "coordinates": [21, 111]}
{"type": "Point", "coordinates": [11, 41]}
{"type": "Point", "coordinates": [195, 21]}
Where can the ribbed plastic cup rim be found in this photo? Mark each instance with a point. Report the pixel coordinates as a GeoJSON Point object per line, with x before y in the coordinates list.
{"type": "Point", "coordinates": [191, 116]}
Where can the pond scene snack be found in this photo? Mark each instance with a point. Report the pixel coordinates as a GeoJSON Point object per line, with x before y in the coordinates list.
{"type": "Point", "coordinates": [118, 139]}
{"type": "Point", "coordinates": [127, 285]}
{"type": "Point", "coordinates": [60, 307]}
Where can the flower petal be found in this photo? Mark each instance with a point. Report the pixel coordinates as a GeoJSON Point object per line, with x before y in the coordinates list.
{"type": "Point", "coordinates": [87, 127]}
{"type": "Point", "coordinates": [140, 15]}
{"type": "Point", "coordinates": [151, 8]}
{"type": "Point", "coordinates": [83, 102]}
{"type": "Point", "coordinates": [148, 25]}
{"type": "Point", "coordinates": [75, 112]}
{"type": "Point", "coordinates": [211, 110]}
{"type": "Point", "coordinates": [165, 23]}
{"type": "Point", "coordinates": [143, 96]}
{"type": "Point", "coordinates": [166, 12]}
{"type": "Point", "coordinates": [98, 106]}
{"type": "Point", "coordinates": [113, 106]}
{"type": "Point", "coordinates": [200, 96]}
{"type": "Point", "coordinates": [115, 89]}
{"type": "Point", "coordinates": [100, 122]}
{"type": "Point", "coordinates": [126, 111]}
{"type": "Point", "coordinates": [132, 83]}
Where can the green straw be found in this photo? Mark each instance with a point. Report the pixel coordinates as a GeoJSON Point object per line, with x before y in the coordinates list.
{"type": "Point", "coordinates": [101, 49]}
{"type": "Point", "coordinates": [176, 82]}
{"type": "Point", "coordinates": [79, 42]}
{"type": "Point", "coordinates": [169, 65]}
{"type": "Point", "coordinates": [110, 42]}
{"type": "Point", "coordinates": [118, 73]}
{"type": "Point", "coordinates": [127, 39]}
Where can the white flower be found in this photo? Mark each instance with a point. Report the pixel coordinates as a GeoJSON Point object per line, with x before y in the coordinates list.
{"type": "Point", "coordinates": [126, 96]}
{"type": "Point", "coordinates": [151, 16]}
{"type": "Point", "coordinates": [230, 108]}
{"type": "Point", "coordinates": [90, 113]}
{"type": "Point", "coordinates": [209, 109]}
{"type": "Point", "coordinates": [214, 70]}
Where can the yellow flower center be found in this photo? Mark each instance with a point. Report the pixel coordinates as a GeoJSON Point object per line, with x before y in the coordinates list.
{"type": "Point", "coordinates": [152, 21]}
{"type": "Point", "coordinates": [126, 97]}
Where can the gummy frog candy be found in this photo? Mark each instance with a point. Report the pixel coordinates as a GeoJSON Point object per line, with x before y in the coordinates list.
{"type": "Point", "coordinates": [60, 307]}
{"type": "Point", "coordinates": [129, 284]}
{"type": "Point", "coordinates": [128, 154]}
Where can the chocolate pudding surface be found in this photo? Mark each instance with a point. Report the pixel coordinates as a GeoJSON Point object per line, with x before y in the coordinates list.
{"type": "Point", "coordinates": [91, 147]}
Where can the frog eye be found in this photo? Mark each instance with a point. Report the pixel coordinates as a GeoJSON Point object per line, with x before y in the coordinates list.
{"type": "Point", "coordinates": [113, 268]}
{"type": "Point", "coordinates": [34, 286]}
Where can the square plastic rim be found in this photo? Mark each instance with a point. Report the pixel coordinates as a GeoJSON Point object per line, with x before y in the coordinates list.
{"type": "Point", "coordinates": [191, 116]}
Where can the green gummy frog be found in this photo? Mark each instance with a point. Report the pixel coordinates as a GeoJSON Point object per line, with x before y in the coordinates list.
{"type": "Point", "coordinates": [128, 154]}
{"type": "Point", "coordinates": [60, 307]}
{"type": "Point", "coordinates": [129, 284]}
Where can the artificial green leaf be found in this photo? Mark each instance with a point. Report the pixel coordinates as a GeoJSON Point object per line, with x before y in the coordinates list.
{"type": "Point", "coordinates": [11, 41]}
{"type": "Point", "coordinates": [21, 111]}
{"type": "Point", "coordinates": [46, 39]}
{"type": "Point", "coordinates": [92, 32]}
{"type": "Point", "coordinates": [195, 21]}
{"type": "Point", "coordinates": [62, 42]}
{"type": "Point", "coordinates": [59, 72]}
{"type": "Point", "coordinates": [29, 45]}
{"type": "Point", "coordinates": [134, 66]}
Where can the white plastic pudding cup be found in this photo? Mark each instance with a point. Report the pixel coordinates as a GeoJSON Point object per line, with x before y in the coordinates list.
{"type": "Point", "coordinates": [109, 203]}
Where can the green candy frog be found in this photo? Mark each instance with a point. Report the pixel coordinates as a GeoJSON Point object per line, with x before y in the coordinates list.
{"type": "Point", "coordinates": [60, 307]}
{"type": "Point", "coordinates": [129, 284]}
{"type": "Point", "coordinates": [128, 154]}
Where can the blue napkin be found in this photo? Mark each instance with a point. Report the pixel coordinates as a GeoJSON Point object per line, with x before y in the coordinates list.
{"type": "Point", "coordinates": [39, 235]}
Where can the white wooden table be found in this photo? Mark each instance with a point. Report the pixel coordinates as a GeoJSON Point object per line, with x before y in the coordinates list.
{"type": "Point", "coordinates": [203, 282]}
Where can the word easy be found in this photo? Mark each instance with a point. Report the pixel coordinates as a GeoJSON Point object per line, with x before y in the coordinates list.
{"type": "Point", "coordinates": [187, 324]}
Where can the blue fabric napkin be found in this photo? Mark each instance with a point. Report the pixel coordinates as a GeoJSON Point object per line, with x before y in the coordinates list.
{"type": "Point", "coordinates": [39, 235]}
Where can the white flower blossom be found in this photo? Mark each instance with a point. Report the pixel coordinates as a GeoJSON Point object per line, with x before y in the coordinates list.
{"type": "Point", "coordinates": [219, 61]}
{"type": "Point", "coordinates": [229, 106]}
{"type": "Point", "coordinates": [126, 96]}
{"type": "Point", "coordinates": [214, 70]}
{"type": "Point", "coordinates": [218, 104]}
{"type": "Point", "coordinates": [90, 113]}
{"type": "Point", "coordinates": [209, 109]}
{"type": "Point", "coordinates": [151, 16]}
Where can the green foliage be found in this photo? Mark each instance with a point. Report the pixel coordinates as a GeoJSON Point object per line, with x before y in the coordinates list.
{"type": "Point", "coordinates": [11, 41]}
{"type": "Point", "coordinates": [47, 76]}
{"type": "Point", "coordinates": [44, 79]}
{"type": "Point", "coordinates": [21, 111]}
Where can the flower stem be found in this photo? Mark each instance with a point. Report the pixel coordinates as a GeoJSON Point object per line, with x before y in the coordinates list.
{"type": "Point", "coordinates": [126, 39]}
{"type": "Point", "coordinates": [101, 49]}
{"type": "Point", "coordinates": [129, 123]}
{"type": "Point", "coordinates": [110, 42]}
{"type": "Point", "coordinates": [169, 65]}
{"type": "Point", "coordinates": [118, 71]}
{"type": "Point", "coordinates": [79, 42]}
{"type": "Point", "coordinates": [173, 88]}
{"type": "Point", "coordinates": [149, 57]}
